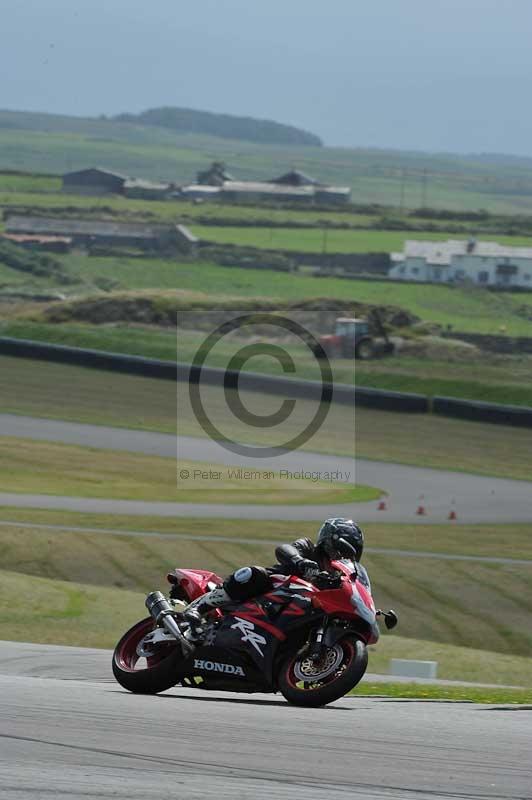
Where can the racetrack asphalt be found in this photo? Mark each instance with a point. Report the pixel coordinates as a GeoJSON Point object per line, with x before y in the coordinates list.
{"type": "Point", "coordinates": [67, 730]}
{"type": "Point", "coordinates": [476, 498]}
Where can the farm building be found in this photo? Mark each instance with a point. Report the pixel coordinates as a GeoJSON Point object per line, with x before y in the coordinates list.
{"type": "Point", "coordinates": [139, 189]}
{"type": "Point", "coordinates": [94, 181]}
{"type": "Point", "coordinates": [332, 195]}
{"type": "Point", "coordinates": [197, 191]}
{"type": "Point", "coordinates": [323, 194]}
{"type": "Point", "coordinates": [295, 178]}
{"type": "Point", "coordinates": [215, 175]}
{"type": "Point", "coordinates": [455, 261]}
{"type": "Point", "coordinates": [47, 244]}
{"type": "Point", "coordinates": [291, 187]}
{"type": "Point", "coordinates": [253, 191]}
{"type": "Point", "coordinates": [85, 232]}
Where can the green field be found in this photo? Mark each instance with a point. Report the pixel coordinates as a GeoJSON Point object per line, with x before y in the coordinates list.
{"type": "Point", "coordinates": [331, 241]}
{"type": "Point", "coordinates": [427, 366]}
{"type": "Point", "coordinates": [106, 398]}
{"type": "Point", "coordinates": [466, 309]}
{"type": "Point", "coordinates": [27, 466]}
{"type": "Point", "coordinates": [28, 183]}
{"type": "Point", "coordinates": [27, 191]}
{"type": "Point", "coordinates": [55, 144]}
{"type": "Point", "coordinates": [447, 374]}
{"type": "Point", "coordinates": [480, 540]}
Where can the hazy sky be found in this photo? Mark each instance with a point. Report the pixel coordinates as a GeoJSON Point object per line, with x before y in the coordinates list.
{"type": "Point", "coordinates": [453, 75]}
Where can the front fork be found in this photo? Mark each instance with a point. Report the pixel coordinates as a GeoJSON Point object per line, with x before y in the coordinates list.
{"type": "Point", "coordinates": [316, 646]}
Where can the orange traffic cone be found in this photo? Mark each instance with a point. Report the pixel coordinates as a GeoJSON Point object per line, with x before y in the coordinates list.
{"type": "Point", "coordinates": [421, 511]}
{"type": "Point", "coordinates": [452, 512]}
{"type": "Point", "coordinates": [382, 506]}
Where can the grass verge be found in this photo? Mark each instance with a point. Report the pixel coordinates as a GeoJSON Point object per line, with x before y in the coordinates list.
{"type": "Point", "coordinates": [31, 467]}
{"type": "Point", "coordinates": [64, 612]}
{"type": "Point", "coordinates": [459, 540]}
{"type": "Point", "coordinates": [459, 694]}
{"type": "Point", "coordinates": [105, 398]}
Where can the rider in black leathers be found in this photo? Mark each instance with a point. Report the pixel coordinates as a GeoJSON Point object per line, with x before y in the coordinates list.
{"type": "Point", "coordinates": [302, 558]}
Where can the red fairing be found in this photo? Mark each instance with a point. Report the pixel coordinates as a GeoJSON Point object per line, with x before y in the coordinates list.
{"type": "Point", "coordinates": [195, 582]}
{"type": "Point", "coordinates": [352, 599]}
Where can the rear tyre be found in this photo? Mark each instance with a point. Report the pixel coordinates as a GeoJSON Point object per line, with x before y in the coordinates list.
{"type": "Point", "coordinates": [162, 668]}
{"type": "Point", "coordinates": [306, 684]}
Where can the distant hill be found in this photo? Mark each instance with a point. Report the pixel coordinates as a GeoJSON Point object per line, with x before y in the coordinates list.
{"type": "Point", "coordinates": [224, 126]}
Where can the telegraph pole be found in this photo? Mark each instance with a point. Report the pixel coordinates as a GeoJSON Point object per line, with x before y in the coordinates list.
{"type": "Point", "coordinates": [424, 188]}
{"type": "Point", "coordinates": [403, 180]}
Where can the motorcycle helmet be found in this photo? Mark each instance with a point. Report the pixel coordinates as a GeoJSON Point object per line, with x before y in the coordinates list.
{"type": "Point", "coordinates": [339, 528]}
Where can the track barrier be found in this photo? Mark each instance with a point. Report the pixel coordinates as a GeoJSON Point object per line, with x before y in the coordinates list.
{"type": "Point", "coordinates": [520, 416]}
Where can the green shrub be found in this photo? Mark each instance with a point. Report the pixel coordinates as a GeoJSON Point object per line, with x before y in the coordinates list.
{"type": "Point", "coordinates": [39, 264]}
{"type": "Point", "coordinates": [247, 257]}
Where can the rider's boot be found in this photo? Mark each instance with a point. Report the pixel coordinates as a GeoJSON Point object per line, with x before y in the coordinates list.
{"type": "Point", "coordinates": [196, 610]}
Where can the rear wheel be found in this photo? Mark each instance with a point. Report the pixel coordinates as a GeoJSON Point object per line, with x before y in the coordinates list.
{"type": "Point", "coordinates": [304, 682]}
{"type": "Point", "coordinates": [365, 350]}
{"type": "Point", "coordinates": [155, 672]}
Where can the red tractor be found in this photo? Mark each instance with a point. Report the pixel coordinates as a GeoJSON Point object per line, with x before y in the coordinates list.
{"type": "Point", "coordinates": [352, 339]}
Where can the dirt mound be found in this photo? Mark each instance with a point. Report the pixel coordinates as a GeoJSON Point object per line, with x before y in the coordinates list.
{"type": "Point", "coordinates": [439, 349]}
{"type": "Point", "coordinates": [165, 309]}
{"type": "Point", "coordinates": [112, 308]}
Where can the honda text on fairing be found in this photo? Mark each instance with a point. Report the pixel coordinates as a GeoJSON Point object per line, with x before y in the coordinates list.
{"type": "Point", "coordinates": [307, 640]}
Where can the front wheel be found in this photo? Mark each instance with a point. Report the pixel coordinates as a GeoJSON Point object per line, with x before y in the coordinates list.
{"type": "Point", "coordinates": [304, 682]}
{"type": "Point", "coordinates": [155, 672]}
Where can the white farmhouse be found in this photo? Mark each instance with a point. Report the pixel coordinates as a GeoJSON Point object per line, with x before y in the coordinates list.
{"type": "Point", "coordinates": [454, 261]}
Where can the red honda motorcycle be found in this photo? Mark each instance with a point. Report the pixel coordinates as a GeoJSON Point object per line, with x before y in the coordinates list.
{"type": "Point", "coordinates": [307, 640]}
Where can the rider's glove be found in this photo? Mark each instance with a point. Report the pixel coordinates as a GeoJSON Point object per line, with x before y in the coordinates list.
{"type": "Point", "coordinates": [326, 580]}
{"type": "Point", "coordinates": [307, 569]}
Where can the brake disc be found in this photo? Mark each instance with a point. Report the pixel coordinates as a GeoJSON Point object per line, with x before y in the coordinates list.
{"type": "Point", "coordinates": [308, 670]}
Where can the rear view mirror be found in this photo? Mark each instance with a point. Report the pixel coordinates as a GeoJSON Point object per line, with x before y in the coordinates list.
{"type": "Point", "coordinates": [390, 619]}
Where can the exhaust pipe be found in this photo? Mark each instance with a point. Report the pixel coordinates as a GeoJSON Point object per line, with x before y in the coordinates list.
{"type": "Point", "coordinates": [162, 612]}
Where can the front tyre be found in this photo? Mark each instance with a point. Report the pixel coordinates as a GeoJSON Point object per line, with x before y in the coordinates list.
{"type": "Point", "coordinates": [152, 674]}
{"type": "Point", "coordinates": [306, 683]}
